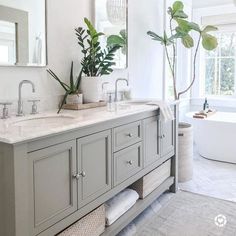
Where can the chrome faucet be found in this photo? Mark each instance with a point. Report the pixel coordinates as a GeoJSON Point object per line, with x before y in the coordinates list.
{"type": "Point", "coordinates": [116, 91]}
{"type": "Point", "coordinates": [20, 102]}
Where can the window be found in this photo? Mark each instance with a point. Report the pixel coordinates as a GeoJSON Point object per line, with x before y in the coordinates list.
{"type": "Point", "coordinates": [4, 55]}
{"type": "Point", "coordinates": [219, 66]}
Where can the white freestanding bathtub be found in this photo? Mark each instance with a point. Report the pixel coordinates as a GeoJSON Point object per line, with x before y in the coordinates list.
{"type": "Point", "coordinates": [215, 137]}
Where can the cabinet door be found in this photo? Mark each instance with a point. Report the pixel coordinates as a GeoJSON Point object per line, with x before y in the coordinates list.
{"type": "Point", "coordinates": [151, 140]}
{"type": "Point", "coordinates": [94, 166]}
{"type": "Point", "coordinates": [53, 190]}
{"type": "Point", "coordinates": [167, 138]}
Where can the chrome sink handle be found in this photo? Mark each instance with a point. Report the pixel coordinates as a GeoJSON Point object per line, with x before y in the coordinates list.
{"type": "Point", "coordinates": [34, 110]}
{"type": "Point", "coordinates": [5, 111]}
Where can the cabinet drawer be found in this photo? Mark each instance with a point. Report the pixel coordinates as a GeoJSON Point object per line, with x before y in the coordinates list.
{"type": "Point", "coordinates": [127, 135]}
{"type": "Point", "coordinates": [127, 163]}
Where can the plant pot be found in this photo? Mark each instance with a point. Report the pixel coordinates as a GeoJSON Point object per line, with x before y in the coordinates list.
{"type": "Point", "coordinates": [185, 162]}
{"type": "Point", "coordinates": [91, 87]}
{"type": "Point", "coordinates": [74, 99]}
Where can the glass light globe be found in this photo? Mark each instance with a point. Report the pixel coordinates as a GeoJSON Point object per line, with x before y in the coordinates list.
{"type": "Point", "coordinates": [116, 11]}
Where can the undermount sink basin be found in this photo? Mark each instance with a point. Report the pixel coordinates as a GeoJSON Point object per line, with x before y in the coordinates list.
{"type": "Point", "coordinates": [44, 121]}
{"type": "Point", "coordinates": [138, 102]}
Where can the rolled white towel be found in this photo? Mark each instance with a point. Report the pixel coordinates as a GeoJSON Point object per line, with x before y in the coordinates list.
{"type": "Point", "coordinates": [120, 204]}
{"type": "Point", "coordinates": [165, 110]}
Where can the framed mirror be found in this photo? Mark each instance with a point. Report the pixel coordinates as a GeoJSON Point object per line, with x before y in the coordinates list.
{"type": "Point", "coordinates": [111, 18]}
{"type": "Point", "coordinates": [23, 33]}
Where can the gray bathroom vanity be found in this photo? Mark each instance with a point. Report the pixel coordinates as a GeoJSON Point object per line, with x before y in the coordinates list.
{"type": "Point", "coordinates": [50, 177]}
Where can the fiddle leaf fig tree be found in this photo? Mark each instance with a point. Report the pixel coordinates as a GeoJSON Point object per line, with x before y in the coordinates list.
{"type": "Point", "coordinates": [121, 40]}
{"type": "Point", "coordinates": [180, 29]}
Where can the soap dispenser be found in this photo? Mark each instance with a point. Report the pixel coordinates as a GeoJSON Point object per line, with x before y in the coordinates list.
{"type": "Point", "coordinates": [110, 102]}
{"type": "Point", "coordinates": [206, 106]}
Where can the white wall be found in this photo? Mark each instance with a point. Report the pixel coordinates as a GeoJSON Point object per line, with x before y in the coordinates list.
{"type": "Point", "coordinates": [145, 56]}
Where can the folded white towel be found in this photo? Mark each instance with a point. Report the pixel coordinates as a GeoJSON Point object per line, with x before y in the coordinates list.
{"type": "Point", "coordinates": [165, 110]}
{"type": "Point", "coordinates": [120, 204]}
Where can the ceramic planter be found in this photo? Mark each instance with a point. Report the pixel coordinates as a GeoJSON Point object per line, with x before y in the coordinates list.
{"type": "Point", "coordinates": [74, 99]}
{"type": "Point", "coordinates": [91, 88]}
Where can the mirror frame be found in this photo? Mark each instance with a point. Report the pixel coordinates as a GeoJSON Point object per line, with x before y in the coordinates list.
{"type": "Point", "coordinates": [46, 45]}
{"type": "Point", "coordinates": [127, 27]}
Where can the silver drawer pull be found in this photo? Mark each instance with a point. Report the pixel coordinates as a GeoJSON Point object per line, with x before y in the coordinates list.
{"type": "Point", "coordinates": [130, 162]}
{"type": "Point", "coordinates": [130, 135]}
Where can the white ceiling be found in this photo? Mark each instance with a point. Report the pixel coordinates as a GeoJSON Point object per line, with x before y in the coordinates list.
{"type": "Point", "coordinates": [209, 3]}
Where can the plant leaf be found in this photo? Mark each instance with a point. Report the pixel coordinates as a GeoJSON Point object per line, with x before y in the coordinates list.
{"type": "Point", "coordinates": [115, 39]}
{"type": "Point", "coordinates": [194, 26]}
{"type": "Point", "coordinates": [77, 85]}
{"type": "Point", "coordinates": [177, 6]}
{"type": "Point", "coordinates": [184, 25]}
{"type": "Point", "coordinates": [209, 28]}
{"type": "Point", "coordinates": [64, 86]}
{"type": "Point", "coordinates": [123, 34]}
{"type": "Point", "coordinates": [156, 37]}
{"type": "Point", "coordinates": [209, 42]}
{"type": "Point", "coordinates": [71, 75]}
{"type": "Point", "coordinates": [187, 41]}
{"type": "Point", "coordinates": [177, 10]}
{"type": "Point", "coordinates": [180, 32]}
{"type": "Point", "coordinates": [63, 101]}
{"type": "Point", "coordinates": [90, 27]}
{"type": "Point", "coordinates": [180, 14]}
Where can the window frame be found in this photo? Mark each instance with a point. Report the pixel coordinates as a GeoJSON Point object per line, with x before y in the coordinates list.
{"type": "Point", "coordinates": [230, 28]}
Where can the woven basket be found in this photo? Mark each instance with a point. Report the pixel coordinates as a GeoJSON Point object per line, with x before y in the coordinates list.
{"type": "Point", "coordinates": [92, 224]}
{"type": "Point", "coordinates": [185, 162]}
{"type": "Point", "coordinates": [153, 180]}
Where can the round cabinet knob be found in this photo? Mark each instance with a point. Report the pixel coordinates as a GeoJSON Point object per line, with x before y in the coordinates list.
{"type": "Point", "coordinates": [130, 135]}
{"type": "Point", "coordinates": [83, 174]}
{"type": "Point", "coordinates": [76, 176]}
{"type": "Point", "coordinates": [130, 162]}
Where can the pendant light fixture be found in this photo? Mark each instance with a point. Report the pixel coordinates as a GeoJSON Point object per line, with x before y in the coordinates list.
{"type": "Point", "coordinates": [116, 11]}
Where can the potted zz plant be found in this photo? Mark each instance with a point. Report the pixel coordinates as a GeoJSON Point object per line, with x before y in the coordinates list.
{"type": "Point", "coordinates": [180, 29]}
{"type": "Point", "coordinates": [96, 62]}
{"type": "Point", "coordinates": [72, 94]}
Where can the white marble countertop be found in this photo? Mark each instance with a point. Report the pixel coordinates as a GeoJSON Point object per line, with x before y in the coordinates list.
{"type": "Point", "coordinates": [21, 129]}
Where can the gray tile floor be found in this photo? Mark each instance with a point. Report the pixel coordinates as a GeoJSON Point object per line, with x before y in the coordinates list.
{"type": "Point", "coordinates": [211, 178]}
{"type": "Point", "coordinates": [134, 227]}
